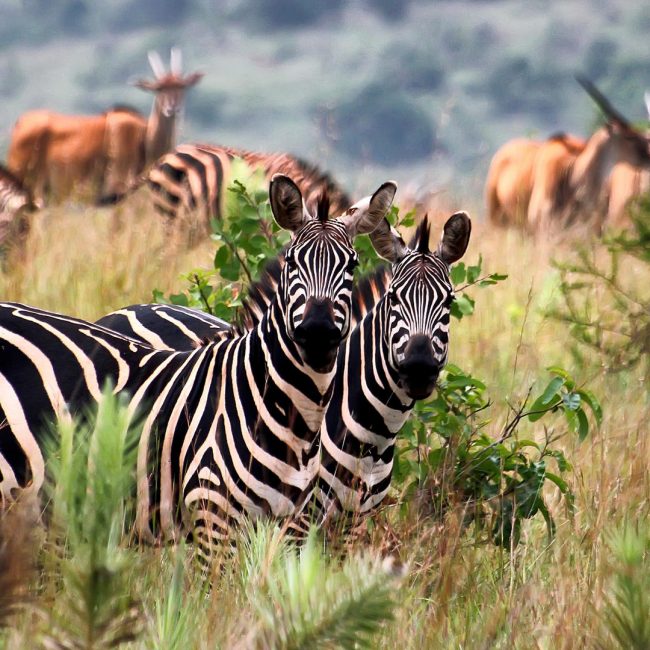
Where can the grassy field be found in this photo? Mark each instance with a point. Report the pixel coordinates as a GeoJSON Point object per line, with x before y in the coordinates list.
{"type": "Point", "coordinates": [457, 590]}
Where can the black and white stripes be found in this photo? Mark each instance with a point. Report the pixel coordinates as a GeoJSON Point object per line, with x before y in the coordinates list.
{"type": "Point", "coordinates": [230, 428]}
{"type": "Point", "coordinates": [194, 178]}
{"type": "Point", "coordinates": [393, 357]}
{"type": "Point", "coordinates": [15, 199]}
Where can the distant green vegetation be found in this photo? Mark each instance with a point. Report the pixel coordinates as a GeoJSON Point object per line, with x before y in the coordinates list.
{"type": "Point", "coordinates": [416, 90]}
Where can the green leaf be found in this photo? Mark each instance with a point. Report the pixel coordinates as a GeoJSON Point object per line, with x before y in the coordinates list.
{"type": "Point", "coordinates": [222, 257]}
{"type": "Point", "coordinates": [548, 399]}
{"type": "Point", "coordinates": [473, 272]}
{"type": "Point", "coordinates": [561, 372]}
{"type": "Point", "coordinates": [458, 273]}
{"type": "Point", "coordinates": [463, 305]}
{"type": "Point", "coordinates": [583, 424]}
{"type": "Point", "coordinates": [562, 463]}
{"type": "Point", "coordinates": [179, 299]}
{"type": "Point", "coordinates": [572, 420]}
{"type": "Point", "coordinates": [559, 481]}
{"type": "Point", "coordinates": [527, 443]}
{"type": "Point", "coordinates": [589, 398]}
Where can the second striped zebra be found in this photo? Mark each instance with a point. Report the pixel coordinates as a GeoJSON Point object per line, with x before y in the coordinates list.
{"type": "Point", "coordinates": [192, 180]}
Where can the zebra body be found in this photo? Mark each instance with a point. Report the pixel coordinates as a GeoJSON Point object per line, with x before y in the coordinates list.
{"type": "Point", "coordinates": [392, 357]}
{"type": "Point", "coordinates": [194, 178]}
{"type": "Point", "coordinates": [163, 327]}
{"type": "Point", "coordinates": [230, 428]}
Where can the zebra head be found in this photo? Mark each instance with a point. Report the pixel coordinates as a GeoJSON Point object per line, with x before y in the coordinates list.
{"type": "Point", "coordinates": [418, 301]}
{"type": "Point", "coordinates": [315, 290]}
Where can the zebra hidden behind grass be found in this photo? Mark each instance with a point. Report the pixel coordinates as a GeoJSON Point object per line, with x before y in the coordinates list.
{"type": "Point", "coordinates": [230, 428]}
{"type": "Point", "coordinates": [192, 180]}
{"type": "Point", "coordinates": [393, 357]}
{"type": "Point", "coordinates": [15, 201]}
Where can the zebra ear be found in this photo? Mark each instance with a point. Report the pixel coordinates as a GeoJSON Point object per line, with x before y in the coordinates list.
{"type": "Point", "coordinates": [388, 242]}
{"type": "Point", "coordinates": [365, 215]}
{"type": "Point", "coordinates": [455, 237]}
{"type": "Point", "coordinates": [286, 203]}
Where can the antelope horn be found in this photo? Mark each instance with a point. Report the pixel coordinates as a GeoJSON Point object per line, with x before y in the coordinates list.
{"type": "Point", "coordinates": [646, 96]}
{"type": "Point", "coordinates": [156, 64]}
{"type": "Point", "coordinates": [601, 101]}
{"type": "Point", "coordinates": [176, 61]}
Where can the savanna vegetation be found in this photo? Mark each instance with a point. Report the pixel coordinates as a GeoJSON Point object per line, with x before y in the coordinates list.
{"type": "Point", "coordinates": [520, 501]}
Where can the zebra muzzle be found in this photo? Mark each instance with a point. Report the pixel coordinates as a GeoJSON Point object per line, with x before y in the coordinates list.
{"type": "Point", "coordinates": [419, 370]}
{"type": "Point", "coordinates": [317, 337]}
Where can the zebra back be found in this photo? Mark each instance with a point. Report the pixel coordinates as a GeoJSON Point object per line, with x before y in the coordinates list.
{"type": "Point", "coordinates": [194, 177]}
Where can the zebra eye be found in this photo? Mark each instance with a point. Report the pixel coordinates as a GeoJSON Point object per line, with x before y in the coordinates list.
{"type": "Point", "coordinates": [290, 261]}
{"type": "Point", "coordinates": [352, 264]}
{"type": "Point", "coordinates": [449, 300]}
{"type": "Point", "coordinates": [392, 296]}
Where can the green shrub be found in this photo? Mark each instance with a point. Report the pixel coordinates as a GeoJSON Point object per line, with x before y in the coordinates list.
{"type": "Point", "coordinates": [604, 313]}
{"type": "Point", "coordinates": [626, 612]}
{"type": "Point", "coordinates": [91, 470]}
{"type": "Point", "coordinates": [384, 127]}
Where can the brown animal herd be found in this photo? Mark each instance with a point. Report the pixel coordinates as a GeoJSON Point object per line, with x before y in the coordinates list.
{"type": "Point", "coordinates": [537, 186]}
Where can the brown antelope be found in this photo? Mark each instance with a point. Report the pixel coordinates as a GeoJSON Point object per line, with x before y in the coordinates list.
{"type": "Point", "coordinates": [569, 187]}
{"type": "Point", "coordinates": [562, 180]}
{"type": "Point", "coordinates": [626, 182]}
{"type": "Point", "coordinates": [55, 155]}
{"type": "Point", "coordinates": [510, 177]}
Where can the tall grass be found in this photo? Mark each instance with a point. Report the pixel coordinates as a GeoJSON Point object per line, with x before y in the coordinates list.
{"type": "Point", "coordinates": [458, 592]}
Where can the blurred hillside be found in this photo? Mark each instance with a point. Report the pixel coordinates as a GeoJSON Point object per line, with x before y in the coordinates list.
{"type": "Point", "coordinates": [421, 91]}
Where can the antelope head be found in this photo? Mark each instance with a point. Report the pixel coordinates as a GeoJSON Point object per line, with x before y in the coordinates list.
{"type": "Point", "coordinates": [169, 87]}
{"type": "Point", "coordinates": [634, 146]}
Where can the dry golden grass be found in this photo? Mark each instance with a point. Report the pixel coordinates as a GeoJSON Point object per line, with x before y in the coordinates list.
{"type": "Point", "coordinates": [458, 593]}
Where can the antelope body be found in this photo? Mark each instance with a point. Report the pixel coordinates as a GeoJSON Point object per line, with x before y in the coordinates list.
{"type": "Point", "coordinates": [97, 157]}
{"type": "Point", "coordinates": [563, 180]}
{"type": "Point", "coordinates": [511, 176]}
{"type": "Point", "coordinates": [626, 182]}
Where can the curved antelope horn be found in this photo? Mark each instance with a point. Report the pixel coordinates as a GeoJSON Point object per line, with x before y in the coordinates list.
{"type": "Point", "coordinates": [156, 64]}
{"type": "Point", "coordinates": [601, 101]}
{"type": "Point", "coordinates": [646, 97]}
{"type": "Point", "coordinates": [176, 61]}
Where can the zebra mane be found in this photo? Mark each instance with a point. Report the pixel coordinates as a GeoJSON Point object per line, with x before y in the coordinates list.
{"type": "Point", "coordinates": [323, 207]}
{"type": "Point", "coordinates": [339, 198]}
{"type": "Point", "coordinates": [420, 240]}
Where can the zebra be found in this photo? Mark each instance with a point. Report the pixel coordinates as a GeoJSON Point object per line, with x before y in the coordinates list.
{"type": "Point", "coordinates": [15, 200]}
{"type": "Point", "coordinates": [192, 178]}
{"type": "Point", "coordinates": [230, 429]}
{"type": "Point", "coordinates": [392, 358]}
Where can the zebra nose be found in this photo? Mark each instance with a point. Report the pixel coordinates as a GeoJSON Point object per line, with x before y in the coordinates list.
{"type": "Point", "coordinates": [419, 370]}
{"type": "Point", "coordinates": [317, 336]}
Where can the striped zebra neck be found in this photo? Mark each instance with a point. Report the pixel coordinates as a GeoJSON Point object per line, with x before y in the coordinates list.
{"type": "Point", "coordinates": [250, 444]}
{"type": "Point", "coordinates": [309, 391]}
{"type": "Point", "coordinates": [367, 410]}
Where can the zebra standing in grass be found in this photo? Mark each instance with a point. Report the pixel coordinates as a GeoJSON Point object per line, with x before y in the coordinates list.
{"type": "Point", "coordinates": [231, 428]}
{"type": "Point", "coordinates": [392, 357]}
{"type": "Point", "coordinates": [193, 179]}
